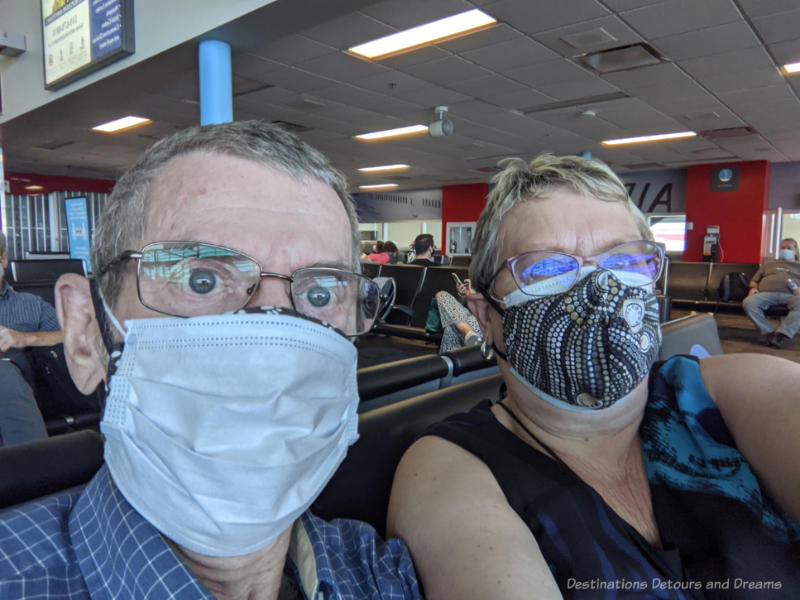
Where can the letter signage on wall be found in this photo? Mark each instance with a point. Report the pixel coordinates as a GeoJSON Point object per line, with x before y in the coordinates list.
{"type": "Point", "coordinates": [81, 36]}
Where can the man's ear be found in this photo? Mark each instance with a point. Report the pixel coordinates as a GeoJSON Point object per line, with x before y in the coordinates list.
{"type": "Point", "coordinates": [86, 355]}
{"type": "Point", "coordinates": [4, 260]}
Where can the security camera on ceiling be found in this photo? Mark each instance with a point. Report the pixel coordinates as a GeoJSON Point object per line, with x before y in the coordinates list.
{"type": "Point", "coordinates": [442, 126]}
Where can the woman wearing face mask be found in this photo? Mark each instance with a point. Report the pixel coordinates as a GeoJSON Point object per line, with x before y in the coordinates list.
{"type": "Point", "coordinates": [600, 473]}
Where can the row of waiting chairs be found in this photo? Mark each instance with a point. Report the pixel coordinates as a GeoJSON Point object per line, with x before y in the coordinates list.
{"type": "Point", "coordinates": [29, 471]}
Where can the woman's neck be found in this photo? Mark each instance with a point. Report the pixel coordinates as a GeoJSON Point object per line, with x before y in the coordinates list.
{"type": "Point", "coordinates": [254, 576]}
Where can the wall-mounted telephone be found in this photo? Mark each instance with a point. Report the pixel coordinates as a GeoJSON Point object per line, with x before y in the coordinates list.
{"type": "Point", "coordinates": [711, 251]}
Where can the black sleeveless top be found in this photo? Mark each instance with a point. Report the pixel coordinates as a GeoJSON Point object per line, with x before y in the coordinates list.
{"type": "Point", "coordinates": [721, 536]}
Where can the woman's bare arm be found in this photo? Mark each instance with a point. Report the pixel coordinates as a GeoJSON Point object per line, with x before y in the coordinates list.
{"type": "Point", "coordinates": [465, 539]}
{"type": "Point", "coordinates": [759, 398]}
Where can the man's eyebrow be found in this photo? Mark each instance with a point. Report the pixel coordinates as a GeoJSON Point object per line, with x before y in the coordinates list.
{"type": "Point", "coordinates": [331, 265]}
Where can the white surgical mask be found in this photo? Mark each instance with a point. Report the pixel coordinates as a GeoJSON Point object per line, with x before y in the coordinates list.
{"type": "Point", "coordinates": [221, 430]}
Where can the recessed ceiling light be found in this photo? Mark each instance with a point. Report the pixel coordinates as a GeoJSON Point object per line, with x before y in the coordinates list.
{"type": "Point", "coordinates": [792, 67]}
{"type": "Point", "coordinates": [34, 188]}
{"type": "Point", "coordinates": [121, 124]}
{"type": "Point", "coordinates": [382, 168]}
{"type": "Point", "coordinates": [428, 33]}
{"type": "Point", "coordinates": [378, 186]}
{"type": "Point", "coordinates": [649, 138]}
{"type": "Point", "coordinates": [378, 135]}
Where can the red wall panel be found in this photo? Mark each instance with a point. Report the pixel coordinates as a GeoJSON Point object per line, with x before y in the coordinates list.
{"type": "Point", "coordinates": [738, 213]}
{"type": "Point", "coordinates": [55, 183]}
{"type": "Point", "coordinates": [461, 203]}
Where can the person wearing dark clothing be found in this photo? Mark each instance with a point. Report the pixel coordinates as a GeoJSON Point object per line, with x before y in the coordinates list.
{"type": "Point", "coordinates": [423, 250]}
{"type": "Point", "coordinates": [25, 320]}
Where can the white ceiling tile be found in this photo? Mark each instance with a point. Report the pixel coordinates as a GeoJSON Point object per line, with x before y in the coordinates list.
{"type": "Point", "coordinates": [403, 14]}
{"type": "Point", "coordinates": [492, 84]}
{"type": "Point", "coordinates": [252, 66]}
{"type": "Point", "coordinates": [636, 116]}
{"type": "Point", "coordinates": [485, 37]}
{"type": "Point", "coordinates": [612, 24]}
{"type": "Point", "coordinates": [786, 52]}
{"type": "Point", "coordinates": [575, 89]}
{"type": "Point", "coordinates": [351, 95]}
{"type": "Point", "coordinates": [780, 27]}
{"type": "Point", "coordinates": [414, 57]}
{"type": "Point", "coordinates": [510, 55]}
{"type": "Point", "coordinates": [704, 42]}
{"type": "Point", "coordinates": [391, 82]}
{"type": "Point", "coordinates": [742, 69]}
{"type": "Point", "coordinates": [571, 120]}
{"type": "Point", "coordinates": [530, 17]}
{"type": "Point", "coordinates": [341, 67]}
{"type": "Point", "coordinates": [293, 49]}
{"type": "Point", "coordinates": [297, 80]}
{"type": "Point", "coordinates": [432, 96]}
{"type": "Point", "coordinates": [445, 71]}
{"type": "Point", "coordinates": [761, 8]}
{"type": "Point", "coordinates": [621, 5]}
{"type": "Point", "coordinates": [348, 30]}
{"type": "Point", "coordinates": [679, 16]}
{"type": "Point", "coordinates": [665, 75]}
{"type": "Point", "coordinates": [554, 71]}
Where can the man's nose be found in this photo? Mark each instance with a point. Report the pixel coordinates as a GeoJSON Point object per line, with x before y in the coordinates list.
{"type": "Point", "coordinates": [271, 292]}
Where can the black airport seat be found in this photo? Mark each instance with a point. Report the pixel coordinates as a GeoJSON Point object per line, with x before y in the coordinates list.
{"type": "Point", "coordinates": [437, 279]}
{"type": "Point", "coordinates": [688, 282]}
{"type": "Point", "coordinates": [408, 279]}
{"type": "Point", "coordinates": [35, 469]}
{"type": "Point", "coordinates": [361, 486]}
{"type": "Point", "coordinates": [684, 335]}
{"type": "Point", "coordinates": [460, 261]}
{"type": "Point", "coordinates": [370, 269]}
{"type": "Point", "coordinates": [39, 276]}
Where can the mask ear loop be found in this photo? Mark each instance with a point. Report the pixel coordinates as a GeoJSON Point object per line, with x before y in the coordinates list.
{"type": "Point", "coordinates": [487, 352]}
{"type": "Point", "coordinates": [103, 315]}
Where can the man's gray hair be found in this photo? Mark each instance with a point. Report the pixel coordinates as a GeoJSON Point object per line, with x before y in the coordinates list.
{"type": "Point", "coordinates": [122, 223]}
{"type": "Point", "coordinates": [519, 182]}
{"type": "Point", "coordinates": [3, 246]}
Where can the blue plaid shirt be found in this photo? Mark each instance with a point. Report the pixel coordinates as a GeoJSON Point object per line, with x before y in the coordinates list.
{"type": "Point", "coordinates": [93, 544]}
{"type": "Point", "coordinates": [25, 312]}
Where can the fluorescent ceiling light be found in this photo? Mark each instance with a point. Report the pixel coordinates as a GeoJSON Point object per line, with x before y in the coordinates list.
{"type": "Point", "coordinates": [435, 31]}
{"type": "Point", "coordinates": [34, 188]}
{"type": "Point", "coordinates": [382, 168]}
{"type": "Point", "coordinates": [378, 135]}
{"type": "Point", "coordinates": [378, 186]}
{"type": "Point", "coordinates": [649, 138]}
{"type": "Point", "coordinates": [792, 67]}
{"type": "Point", "coordinates": [120, 124]}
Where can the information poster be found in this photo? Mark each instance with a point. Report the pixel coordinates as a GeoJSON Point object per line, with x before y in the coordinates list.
{"type": "Point", "coordinates": [80, 36]}
{"type": "Point", "coordinates": [78, 230]}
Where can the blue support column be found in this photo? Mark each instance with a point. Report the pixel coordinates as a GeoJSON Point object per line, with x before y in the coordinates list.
{"type": "Point", "coordinates": [216, 87]}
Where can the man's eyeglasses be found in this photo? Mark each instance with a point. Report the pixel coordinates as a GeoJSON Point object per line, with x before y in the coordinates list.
{"type": "Point", "coordinates": [544, 273]}
{"type": "Point", "coordinates": [190, 279]}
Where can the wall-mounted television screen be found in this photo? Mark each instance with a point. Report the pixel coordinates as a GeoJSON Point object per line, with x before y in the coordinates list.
{"type": "Point", "coordinates": [81, 36]}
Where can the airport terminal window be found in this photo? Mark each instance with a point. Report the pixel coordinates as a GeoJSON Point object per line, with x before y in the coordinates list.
{"type": "Point", "coordinates": [669, 230]}
{"type": "Point", "coordinates": [38, 224]}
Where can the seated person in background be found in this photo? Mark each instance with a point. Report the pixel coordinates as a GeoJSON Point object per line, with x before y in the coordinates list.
{"type": "Point", "coordinates": [25, 320]}
{"type": "Point", "coordinates": [391, 250]}
{"type": "Point", "coordinates": [232, 385]}
{"type": "Point", "coordinates": [423, 250]}
{"type": "Point", "coordinates": [379, 254]}
{"type": "Point", "coordinates": [776, 284]}
{"type": "Point", "coordinates": [598, 467]}
{"type": "Point", "coordinates": [459, 326]}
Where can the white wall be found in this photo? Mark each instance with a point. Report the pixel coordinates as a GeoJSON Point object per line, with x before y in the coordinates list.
{"type": "Point", "coordinates": [159, 25]}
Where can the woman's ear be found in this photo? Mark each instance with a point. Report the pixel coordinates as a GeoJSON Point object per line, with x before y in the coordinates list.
{"type": "Point", "coordinates": [482, 310]}
{"type": "Point", "coordinates": [84, 351]}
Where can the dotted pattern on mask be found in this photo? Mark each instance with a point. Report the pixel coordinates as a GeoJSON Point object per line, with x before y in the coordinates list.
{"type": "Point", "coordinates": [580, 342]}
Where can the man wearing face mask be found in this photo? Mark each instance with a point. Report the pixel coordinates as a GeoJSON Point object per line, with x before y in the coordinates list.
{"type": "Point", "coordinates": [776, 284]}
{"type": "Point", "coordinates": [222, 331]}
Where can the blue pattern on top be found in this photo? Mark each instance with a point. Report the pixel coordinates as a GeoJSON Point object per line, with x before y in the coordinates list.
{"type": "Point", "coordinates": [687, 446]}
{"type": "Point", "coordinates": [93, 544]}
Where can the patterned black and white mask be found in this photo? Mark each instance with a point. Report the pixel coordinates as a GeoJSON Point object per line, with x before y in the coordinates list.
{"type": "Point", "coordinates": [587, 348]}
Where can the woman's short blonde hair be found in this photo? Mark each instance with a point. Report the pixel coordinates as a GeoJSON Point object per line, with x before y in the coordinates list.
{"type": "Point", "coordinates": [519, 182]}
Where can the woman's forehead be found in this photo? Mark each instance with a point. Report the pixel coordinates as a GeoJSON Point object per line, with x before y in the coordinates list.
{"type": "Point", "coordinates": [567, 222]}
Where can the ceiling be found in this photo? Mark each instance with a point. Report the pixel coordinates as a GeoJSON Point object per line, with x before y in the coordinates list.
{"type": "Point", "coordinates": [515, 89]}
